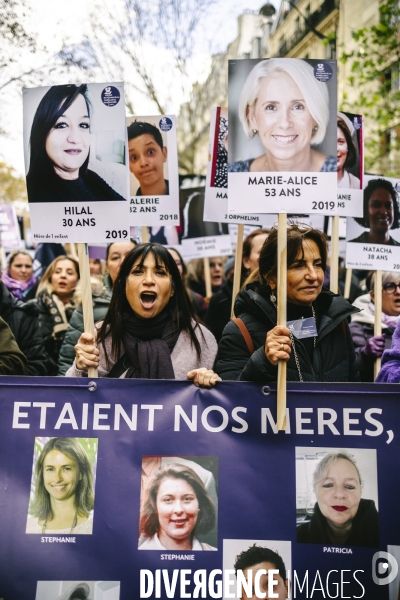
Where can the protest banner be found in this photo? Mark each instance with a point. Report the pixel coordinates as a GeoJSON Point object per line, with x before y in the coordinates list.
{"type": "Point", "coordinates": [280, 111]}
{"type": "Point", "coordinates": [373, 240]}
{"type": "Point", "coordinates": [153, 176]}
{"type": "Point", "coordinates": [251, 482]}
{"type": "Point", "coordinates": [350, 158]}
{"type": "Point", "coordinates": [10, 237]}
{"type": "Point", "coordinates": [74, 143]}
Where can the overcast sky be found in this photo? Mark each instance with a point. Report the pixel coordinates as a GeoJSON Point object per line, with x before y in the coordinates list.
{"type": "Point", "coordinates": [54, 21]}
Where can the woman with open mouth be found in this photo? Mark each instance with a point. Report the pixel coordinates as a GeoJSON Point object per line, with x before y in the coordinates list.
{"type": "Point", "coordinates": [60, 148]}
{"type": "Point", "coordinates": [341, 516]}
{"type": "Point", "coordinates": [176, 509]}
{"type": "Point", "coordinates": [64, 498]}
{"type": "Point", "coordinates": [150, 330]}
{"type": "Point", "coordinates": [288, 108]}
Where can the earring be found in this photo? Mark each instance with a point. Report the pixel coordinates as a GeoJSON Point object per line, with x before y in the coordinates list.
{"type": "Point", "coordinates": [315, 129]}
{"type": "Point", "coordinates": [255, 131]}
{"type": "Point", "coordinates": [273, 298]}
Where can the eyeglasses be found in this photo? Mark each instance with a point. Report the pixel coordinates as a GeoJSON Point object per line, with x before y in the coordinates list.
{"type": "Point", "coordinates": [390, 287]}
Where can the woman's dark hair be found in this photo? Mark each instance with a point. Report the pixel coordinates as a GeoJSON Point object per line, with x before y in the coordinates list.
{"type": "Point", "coordinates": [351, 157]}
{"type": "Point", "coordinates": [247, 244]}
{"type": "Point", "coordinates": [179, 305]}
{"type": "Point", "coordinates": [138, 128]}
{"type": "Point", "coordinates": [372, 186]}
{"type": "Point", "coordinates": [149, 523]}
{"type": "Point", "coordinates": [53, 104]}
{"type": "Point", "coordinates": [78, 592]}
{"type": "Point", "coordinates": [296, 235]}
{"type": "Point", "coordinates": [84, 497]}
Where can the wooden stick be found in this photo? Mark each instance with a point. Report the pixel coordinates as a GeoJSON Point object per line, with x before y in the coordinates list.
{"type": "Point", "coordinates": [145, 235]}
{"type": "Point", "coordinates": [378, 314]}
{"type": "Point", "coordinates": [87, 302]}
{"type": "Point", "coordinates": [207, 277]}
{"type": "Point", "coordinates": [282, 299]}
{"type": "Point", "coordinates": [238, 265]}
{"type": "Point", "coordinates": [334, 278]}
{"type": "Point", "coordinates": [3, 262]}
{"type": "Point", "coordinates": [347, 283]}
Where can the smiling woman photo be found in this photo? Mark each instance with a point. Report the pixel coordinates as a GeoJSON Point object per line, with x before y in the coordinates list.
{"type": "Point", "coordinates": [288, 108]}
{"type": "Point", "coordinates": [340, 515]}
{"type": "Point", "coordinates": [60, 147]}
{"type": "Point", "coordinates": [176, 510]}
{"type": "Point", "coordinates": [381, 213]}
{"type": "Point", "coordinates": [64, 498]}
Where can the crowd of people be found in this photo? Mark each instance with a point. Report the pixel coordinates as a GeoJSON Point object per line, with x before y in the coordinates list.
{"type": "Point", "coordinates": [153, 319]}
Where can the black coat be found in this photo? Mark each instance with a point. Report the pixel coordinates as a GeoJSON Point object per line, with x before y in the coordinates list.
{"type": "Point", "coordinates": [364, 530]}
{"type": "Point", "coordinates": [22, 319]}
{"type": "Point", "coordinates": [333, 358]}
{"type": "Point", "coordinates": [219, 310]}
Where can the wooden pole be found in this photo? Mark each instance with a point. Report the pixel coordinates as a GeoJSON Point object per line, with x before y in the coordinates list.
{"type": "Point", "coordinates": [238, 265]}
{"type": "Point", "coordinates": [378, 314]}
{"type": "Point", "coordinates": [87, 302]}
{"type": "Point", "coordinates": [334, 278]}
{"type": "Point", "coordinates": [347, 283]}
{"type": "Point", "coordinates": [145, 235]}
{"type": "Point", "coordinates": [282, 300]}
{"type": "Point", "coordinates": [207, 276]}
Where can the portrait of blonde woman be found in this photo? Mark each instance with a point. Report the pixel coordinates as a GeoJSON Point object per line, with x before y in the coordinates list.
{"type": "Point", "coordinates": [63, 487]}
{"type": "Point", "coordinates": [286, 107]}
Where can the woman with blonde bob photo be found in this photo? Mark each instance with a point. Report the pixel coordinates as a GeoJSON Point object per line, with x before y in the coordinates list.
{"type": "Point", "coordinates": [341, 516]}
{"type": "Point", "coordinates": [64, 497]}
{"type": "Point", "coordinates": [176, 510]}
{"type": "Point", "coordinates": [288, 108]}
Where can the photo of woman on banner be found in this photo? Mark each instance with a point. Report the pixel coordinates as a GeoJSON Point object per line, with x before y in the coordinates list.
{"type": "Point", "coordinates": [286, 107]}
{"type": "Point", "coordinates": [60, 144]}
{"type": "Point", "coordinates": [340, 515]}
{"type": "Point", "coordinates": [257, 558]}
{"type": "Point", "coordinates": [63, 498]}
{"type": "Point", "coordinates": [347, 154]}
{"type": "Point", "coordinates": [147, 159]}
{"type": "Point", "coordinates": [177, 510]}
{"type": "Point", "coordinates": [381, 214]}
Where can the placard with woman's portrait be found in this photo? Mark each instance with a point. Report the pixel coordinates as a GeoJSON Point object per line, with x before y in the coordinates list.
{"type": "Point", "coordinates": [74, 145]}
{"type": "Point", "coordinates": [282, 136]}
{"type": "Point", "coordinates": [153, 171]}
{"type": "Point", "coordinates": [350, 164]}
{"type": "Point", "coordinates": [373, 240]}
{"type": "Point", "coordinates": [178, 503]}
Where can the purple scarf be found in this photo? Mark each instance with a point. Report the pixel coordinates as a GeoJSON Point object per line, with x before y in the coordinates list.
{"type": "Point", "coordinates": [19, 289]}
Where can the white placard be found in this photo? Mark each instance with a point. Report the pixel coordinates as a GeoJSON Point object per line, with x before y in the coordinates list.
{"type": "Point", "coordinates": [10, 237]}
{"type": "Point", "coordinates": [153, 166]}
{"type": "Point", "coordinates": [74, 143]}
{"type": "Point", "coordinates": [350, 164]}
{"type": "Point", "coordinates": [377, 246]}
{"type": "Point", "coordinates": [282, 136]}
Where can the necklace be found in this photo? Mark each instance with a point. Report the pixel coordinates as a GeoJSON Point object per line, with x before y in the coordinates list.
{"type": "Point", "coordinates": [296, 358]}
{"type": "Point", "coordinates": [74, 523]}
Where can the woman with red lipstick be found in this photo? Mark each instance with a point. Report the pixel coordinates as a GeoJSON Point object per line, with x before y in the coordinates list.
{"type": "Point", "coordinates": [60, 146]}
{"type": "Point", "coordinates": [177, 509]}
{"type": "Point", "coordinates": [57, 299]}
{"type": "Point", "coordinates": [150, 330]}
{"type": "Point", "coordinates": [64, 497]}
{"type": "Point", "coordinates": [288, 108]}
{"type": "Point", "coordinates": [381, 213]}
{"type": "Point", "coordinates": [322, 352]}
{"type": "Point", "coordinates": [341, 516]}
